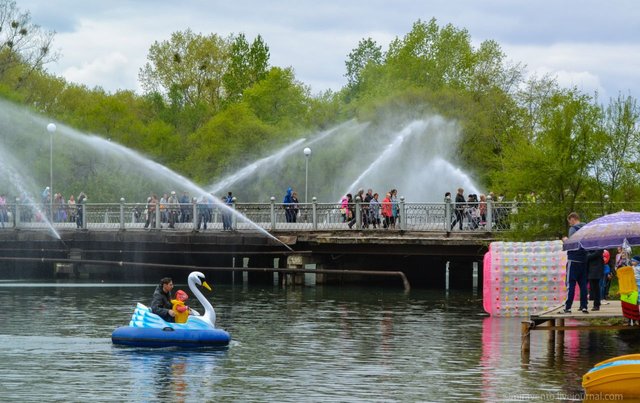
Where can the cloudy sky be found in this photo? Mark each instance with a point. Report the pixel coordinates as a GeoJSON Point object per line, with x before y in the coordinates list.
{"type": "Point", "coordinates": [594, 45]}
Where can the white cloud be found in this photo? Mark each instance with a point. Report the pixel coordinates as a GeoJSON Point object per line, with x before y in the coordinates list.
{"type": "Point", "coordinates": [606, 68]}
{"type": "Point", "coordinates": [584, 42]}
{"type": "Point", "coordinates": [95, 72]}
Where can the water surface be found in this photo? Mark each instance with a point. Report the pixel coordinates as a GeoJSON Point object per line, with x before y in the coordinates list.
{"type": "Point", "coordinates": [312, 344]}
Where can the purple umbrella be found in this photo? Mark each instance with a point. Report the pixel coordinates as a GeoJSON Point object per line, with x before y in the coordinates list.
{"type": "Point", "coordinates": [609, 231]}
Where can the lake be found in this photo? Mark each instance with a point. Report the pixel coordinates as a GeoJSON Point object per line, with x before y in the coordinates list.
{"type": "Point", "coordinates": [324, 343]}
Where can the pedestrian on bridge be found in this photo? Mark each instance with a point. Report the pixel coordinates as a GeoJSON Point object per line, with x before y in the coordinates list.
{"type": "Point", "coordinates": [459, 208]}
{"type": "Point", "coordinates": [82, 198]}
{"type": "Point", "coordinates": [288, 205]}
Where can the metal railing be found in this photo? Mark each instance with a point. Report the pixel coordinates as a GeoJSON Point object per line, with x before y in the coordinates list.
{"type": "Point", "coordinates": [491, 216]}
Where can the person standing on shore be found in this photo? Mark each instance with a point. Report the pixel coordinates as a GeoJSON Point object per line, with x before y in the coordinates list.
{"type": "Point", "coordinates": [576, 268]}
{"type": "Point", "coordinates": [605, 282]}
{"type": "Point", "coordinates": [595, 270]}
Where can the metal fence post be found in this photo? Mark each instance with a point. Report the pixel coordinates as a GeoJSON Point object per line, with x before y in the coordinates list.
{"type": "Point", "coordinates": [273, 213]}
{"type": "Point", "coordinates": [157, 217]}
{"type": "Point", "coordinates": [403, 214]}
{"type": "Point", "coordinates": [234, 219]}
{"type": "Point", "coordinates": [194, 207]}
{"type": "Point", "coordinates": [489, 218]}
{"type": "Point", "coordinates": [314, 215]}
{"type": "Point", "coordinates": [447, 213]}
{"type": "Point", "coordinates": [16, 215]}
{"type": "Point", "coordinates": [358, 215]}
{"type": "Point", "coordinates": [84, 214]}
{"type": "Point", "coordinates": [122, 213]}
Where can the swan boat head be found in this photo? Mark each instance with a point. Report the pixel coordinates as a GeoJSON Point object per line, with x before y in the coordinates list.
{"type": "Point", "coordinates": [195, 279]}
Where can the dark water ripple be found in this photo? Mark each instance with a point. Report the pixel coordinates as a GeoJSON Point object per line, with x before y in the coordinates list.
{"type": "Point", "coordinates": [314, 344]}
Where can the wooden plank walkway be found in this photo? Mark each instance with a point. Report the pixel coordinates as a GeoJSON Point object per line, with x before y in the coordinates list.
{"type": "Point", "coordinates": [611, 310]}
{"type": "Point", "coordinates": [554, 320]}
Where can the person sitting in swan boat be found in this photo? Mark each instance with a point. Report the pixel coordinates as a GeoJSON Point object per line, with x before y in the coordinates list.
{"type": "Point", "coordinates": [181, 310]}
{"type": "Point", "coordinates": [161, 302]}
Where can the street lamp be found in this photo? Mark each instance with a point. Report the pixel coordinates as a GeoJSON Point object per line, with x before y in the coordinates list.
{"type": "Point", "coordinates": [51, 128]}
{"type": "Point", "coordinates": [307, 153]}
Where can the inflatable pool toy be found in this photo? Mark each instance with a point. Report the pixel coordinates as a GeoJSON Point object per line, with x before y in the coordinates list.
{"type": "Point", "coordinates": [523, 278]}
{"type": "Point", "coordinates": [619, 375]}
{"type": "Point", "coordinates": [147, 329]}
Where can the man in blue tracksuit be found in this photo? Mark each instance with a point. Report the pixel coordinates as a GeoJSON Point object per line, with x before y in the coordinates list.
{"type": "Point", "coordinates": [576, 268]}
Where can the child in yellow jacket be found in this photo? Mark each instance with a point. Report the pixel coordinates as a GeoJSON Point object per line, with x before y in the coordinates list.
{"type": "Point", "coordinates": [181, 310]}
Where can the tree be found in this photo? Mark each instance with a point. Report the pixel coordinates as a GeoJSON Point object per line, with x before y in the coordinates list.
{"type": "Point", "coordinates": [367, 52]}
{"type": "Point", "coordinates": [187, 69]}
{"type": "Point", "coordinates": [279, 99]}
{"type": "Point", "coordinates": [22, 43]}
{"type": "Point", "coordinates": [231, 138]}
{"type": "Point", "coordinates": [247, 66]}
{"type": "Point", "coordinates": [431, 56]}
{"type": "Point", "coordinates": [617, 171]}
{"type": "Point", "coordinates": [557, 163]}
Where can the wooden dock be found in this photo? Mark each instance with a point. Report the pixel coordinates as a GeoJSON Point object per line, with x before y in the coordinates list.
{"type": "Point", "coordinates": [554, 320]}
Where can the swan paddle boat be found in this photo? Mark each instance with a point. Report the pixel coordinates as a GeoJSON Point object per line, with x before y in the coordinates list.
{"type": "Point", "coordinates": [619, 375]}
{"type": "Point", "coordinates": [147, 329]}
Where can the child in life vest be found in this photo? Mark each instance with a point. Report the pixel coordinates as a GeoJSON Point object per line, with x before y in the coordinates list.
{"type": "Point", "coordinates": [181, 310]}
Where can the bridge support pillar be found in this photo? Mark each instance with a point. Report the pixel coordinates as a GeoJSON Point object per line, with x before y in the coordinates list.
{"type": "Point", "coordinates": [295, 262]}
{"type": "Point", "coordinates": [320, 277]}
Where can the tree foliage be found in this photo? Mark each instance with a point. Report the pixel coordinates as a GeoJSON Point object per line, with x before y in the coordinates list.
{"type": "Point", "coordinates": [212, 104]}
{"type": "Point", "coordinates": [24, 46]}
{"type": "Point", "coordinates": [618, 171]}
{"type": "Point", "coordinates": [248, 65]}
{"type": "Point", "coordinates": [188, 69]}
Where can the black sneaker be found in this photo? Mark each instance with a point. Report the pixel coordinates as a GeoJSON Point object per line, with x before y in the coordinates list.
{"type": "Point", "coordinates": [566, 311]}
{"type": "Point", "coordinates": [585, 310]}
{"type": "Point", "coordinates": [595, 308]}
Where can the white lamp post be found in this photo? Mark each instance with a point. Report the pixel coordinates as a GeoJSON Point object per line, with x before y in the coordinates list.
{"type": "Point", "coordinates": [307, 153]}
{"type": "Point", "coordinates": [51, 128]}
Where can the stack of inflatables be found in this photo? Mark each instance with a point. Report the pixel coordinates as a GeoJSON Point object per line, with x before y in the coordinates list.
{"type": "Point", "coordinates": [523, 278]}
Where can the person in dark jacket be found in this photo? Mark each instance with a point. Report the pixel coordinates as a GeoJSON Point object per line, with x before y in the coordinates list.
{"type": "Point", "coordinates": [287, 203]}
{"type": "Point", "coordinates": [459, 208]}
{"type": "Point", "coordinates": [576, 268]}
{"type": "Point", "coordinates": [161, 303]}
{"type": "Point", "coordinates": [595, 272]}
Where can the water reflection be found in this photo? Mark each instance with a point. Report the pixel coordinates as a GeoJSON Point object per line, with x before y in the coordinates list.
{"type": "Point", "coordinates": [319, 343]}
{"type": "Point", "coordinates": [163, 374]}
{"type": "Point", "coordinates": [555, 366]}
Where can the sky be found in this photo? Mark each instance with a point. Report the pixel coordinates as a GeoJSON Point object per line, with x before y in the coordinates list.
{"type": "Point", "coordinates": [593, 45]}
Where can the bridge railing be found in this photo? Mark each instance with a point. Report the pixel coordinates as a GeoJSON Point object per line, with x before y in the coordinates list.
{"type": "Point", "coordinates": [491, 216]}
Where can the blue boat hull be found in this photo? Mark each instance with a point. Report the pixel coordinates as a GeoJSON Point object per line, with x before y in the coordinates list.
{"type": "Point", "coordinates": [155, 337]}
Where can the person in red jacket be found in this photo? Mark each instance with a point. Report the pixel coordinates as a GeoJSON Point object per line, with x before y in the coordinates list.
{"type": "Point", "coordinates": [387, 211]}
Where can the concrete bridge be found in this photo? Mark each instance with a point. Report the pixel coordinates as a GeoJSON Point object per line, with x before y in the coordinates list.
{"type": "Point", "coordinates": [427, 259]}
{"type": "Point", "coordinates": [119, 241]}
{"type": "Point", "coordinates": [122, 241]}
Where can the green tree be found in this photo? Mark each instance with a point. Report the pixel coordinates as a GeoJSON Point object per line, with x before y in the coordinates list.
{"type": "Point", "coordinates": [279, 99]}
{"type": "Point", "coordinates": [618, 169]}
{"type": "Point", "coordinates": [431, 56]}
{"type": "Point", "coordinates": [22, 43]}
{"type": "Point", "coordinates": [248, 65]}
{"type": "Point", "coordinates": [557, 162]}
{"type": "Point", "coordinates": [231, 138]}
{"type": "Point", "coordinates": [187, 69]}
{"type": "Point", "coordinates": [367, 52]}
